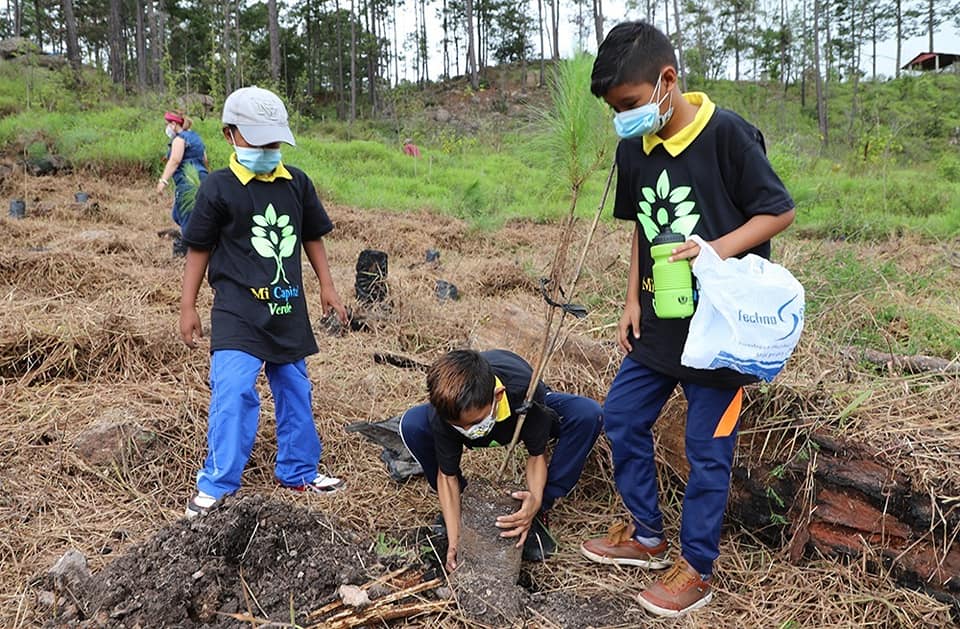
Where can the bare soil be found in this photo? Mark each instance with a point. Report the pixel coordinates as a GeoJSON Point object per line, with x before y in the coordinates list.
{"type": "Point", "coordinates": [88, 339]}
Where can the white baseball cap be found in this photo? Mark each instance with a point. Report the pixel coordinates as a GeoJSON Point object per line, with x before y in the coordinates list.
{"type": "Point", "coordinates": [259, 114]}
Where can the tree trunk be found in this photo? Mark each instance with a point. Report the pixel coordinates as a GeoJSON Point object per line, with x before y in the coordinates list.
{"type": "Point", "coordinates": [930, 25]}
{"type": "Point", "coordinates": [542, 51]}
{"type": "Point", "coordinates": [273, 27]}
{"type": "Point", "coordinates": [821, 100]}
{"type": "Point", "coordinates": [396, 49]}
{"type": "Point", "coordinates": [353, 61]}
{"type": "Point", "coordinates": [425, 47]}
{"type": "Point", "coordinates": [555, 28]}
{"type": "Point", "coordinates": [141, 44]}
{"type": "Point", "coordinates": [372, 57]}
{"type": "Point", "coordinates": [899, 17]}
{"type": "Point", "coordinates": [156, 45]}
{"type": "Point", "coordinates": [676, 20]}
{"type": "Point", "coordinates": [225, 50]}
{"type": "Point", "coordinates": [598, 20]}
{"type": "Point", "coordinates": [73, 47]}
{"type": "Point", "coordinates": [340, 81]}
{"type": "Point", "coordinates": [471, 47]}
{"type": "Point", "coordinates": [116, 43]}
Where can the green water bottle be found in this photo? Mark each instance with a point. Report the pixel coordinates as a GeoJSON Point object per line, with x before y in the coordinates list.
{"type": "Point", "coordinates": [672, 281]}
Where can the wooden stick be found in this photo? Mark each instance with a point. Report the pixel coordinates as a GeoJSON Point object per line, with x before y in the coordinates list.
{"type": "Point", "coordinates": [548, 346]}
{"type": "Point", "coordinates": [332, 605]}
{"type": "Point", "coordinates": [390, 613]}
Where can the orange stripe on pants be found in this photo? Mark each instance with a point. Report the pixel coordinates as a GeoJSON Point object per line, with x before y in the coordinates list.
{"type": "Point", "coordinates": [730, 416]}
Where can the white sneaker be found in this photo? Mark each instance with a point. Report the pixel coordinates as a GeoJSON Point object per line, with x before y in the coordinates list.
{"type": "Point", "coordinates": [322, 484]}
{"type": "Point", "coordinates": [199, 505]}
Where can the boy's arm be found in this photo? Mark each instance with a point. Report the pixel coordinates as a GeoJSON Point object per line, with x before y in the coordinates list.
{"type": "Point", "coordinates": [317, 254]}
{"type": "Point", "coordinates": [448, 490]}
{"type": "Point", "coordinates": [630, 319]}
{"type": "Point", "coordinates": [518, 523]}
{"type": "Point", "coordinates": [757, 230]}
{"type": "Point", "coordinates": [193, 271]}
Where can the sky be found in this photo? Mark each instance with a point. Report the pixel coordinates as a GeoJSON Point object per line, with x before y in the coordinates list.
{"type": "Point", "coordinates": [946, 39]}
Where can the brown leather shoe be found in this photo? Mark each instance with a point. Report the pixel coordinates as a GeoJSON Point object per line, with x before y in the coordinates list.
{"type": "Point", "coordinates": [620, 548]}
{"type": "Point", "coordinates": [680, 590]}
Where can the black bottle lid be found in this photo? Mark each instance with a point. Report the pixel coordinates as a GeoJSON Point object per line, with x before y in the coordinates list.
{"type": "Point", "coordinates": [667, 236]}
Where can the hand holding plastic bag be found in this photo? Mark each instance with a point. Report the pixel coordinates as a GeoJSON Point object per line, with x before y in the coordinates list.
{"type": "Point", "coordinates": [749, 316]}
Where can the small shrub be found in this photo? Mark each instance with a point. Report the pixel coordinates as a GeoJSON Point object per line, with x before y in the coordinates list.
{"type": "Point", "coordinates": [948, 167]}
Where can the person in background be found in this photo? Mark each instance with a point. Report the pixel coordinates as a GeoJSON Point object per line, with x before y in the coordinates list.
{"type": "Point", "coordinates": [250, 225]}
{"type": "Point", "coordinates": [185, 148]}
{"type": "Point", "coordinates": [409, 148]}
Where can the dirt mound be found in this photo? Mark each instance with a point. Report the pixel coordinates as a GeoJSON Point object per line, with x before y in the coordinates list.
{"type": "Point", "coordinates": [253, 555]}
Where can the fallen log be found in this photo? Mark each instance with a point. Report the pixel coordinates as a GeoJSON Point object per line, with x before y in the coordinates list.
{"type": "Point", "coordinates": [906, 364]}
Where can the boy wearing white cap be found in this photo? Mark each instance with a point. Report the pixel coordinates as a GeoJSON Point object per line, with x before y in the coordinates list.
{"type": "Point", "coordinates": [248, 226]}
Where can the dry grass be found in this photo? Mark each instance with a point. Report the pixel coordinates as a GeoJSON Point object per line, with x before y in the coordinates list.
{"type": "Point", "coordinates": [87, 332]}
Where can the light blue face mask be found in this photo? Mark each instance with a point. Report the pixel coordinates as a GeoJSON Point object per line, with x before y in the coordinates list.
{"type": "Point", "coordinates": [645, 119]}
{"type": "Point", "coordinates": [260, 161]}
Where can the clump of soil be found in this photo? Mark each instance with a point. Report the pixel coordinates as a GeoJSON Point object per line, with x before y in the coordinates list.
{"type": "Point", "coordinates": [252, 554]}
{"type": "Point", "coordinates": [488, 565]}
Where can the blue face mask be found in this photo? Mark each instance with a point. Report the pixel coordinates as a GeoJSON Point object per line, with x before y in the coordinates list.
{"type": "Point", "coordinates": [645, 119]}
{"type": "Point", "coordinates": [260, 161]}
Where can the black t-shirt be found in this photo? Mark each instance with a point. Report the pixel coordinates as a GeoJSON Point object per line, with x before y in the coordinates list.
{"type": "Point", "coordinates": [717, 183]}
{"type": "Point", "coordinates": [514, 373]}
{"type": "Point", "coordinates": [255, 233]}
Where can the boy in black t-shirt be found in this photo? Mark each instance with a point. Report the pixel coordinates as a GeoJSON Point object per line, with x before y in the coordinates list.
{"type": "Point", "coordinates": [688, 166]}
{"type": "Point", "coordinates": [249, 224]}
{"type": "Point", "coordinates": [473, 400]}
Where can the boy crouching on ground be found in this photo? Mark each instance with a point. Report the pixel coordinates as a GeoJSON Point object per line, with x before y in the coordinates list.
{"type": "Point", "coordinates": [474, 397]}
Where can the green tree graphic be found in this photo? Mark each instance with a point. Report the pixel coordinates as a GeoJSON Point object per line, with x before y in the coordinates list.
{"type": "Point", "coordinates": [273, 238]}
{"type": "Point", "coordinates": [653, 214]}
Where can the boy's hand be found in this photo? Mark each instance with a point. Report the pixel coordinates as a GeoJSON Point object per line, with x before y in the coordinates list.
{"type": "Point", "coordinates": [629, 324]}
{"type": "Point", "coordinates": [685, 251]}
{"type": "Point", "coordinates": [519, 522]}
{"type": "Point", "coordinates": [451, 564]}
{"type": "Point", "coordinates": [190, 328]}
{"type": "Point", "coordinates": [330, 300]}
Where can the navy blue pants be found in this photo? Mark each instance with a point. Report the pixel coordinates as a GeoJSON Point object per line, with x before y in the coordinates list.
{"type": "Point", "coordinates": [235, 414]}
{"type": "Point", "coordinates": [636, 397]}
{"type": "Point", "coordinates": [575, 434]}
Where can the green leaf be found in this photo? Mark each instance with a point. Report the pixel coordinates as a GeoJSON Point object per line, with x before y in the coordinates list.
{"type": "Point", "coordinates": [263, 247]}
{"type": "Point", "coordinates": [679, 194]}
{"type": "Point", "coordinates": [684, 208]}
{"type": "Point", "coordinates": [259, 231]}
{"type": "Point", "coordinates": [685, 224]}
{"type": "Point", "coordinates": [650, 229]}
{"type": "Point", "coordinates": [662, 216]}
{"type": "Point", "coordinates": [273, 237]}
{"type": "Point", "coordinates": [646, 208]}
{"type": "Point", "coordinates": [663, 185]}
{"type": "Point", "coordinates": [286, 246]}
{"type": "Point", "coordinates": [259, 220]}
{"type": "Point", "coordinates": [649, 194]}
{"type": "Point", "coordinates": [270, 215]}
{"type": "Point", "coordinates": [286, 230]}
{"type": "Point", "coordinates": [283, 220]}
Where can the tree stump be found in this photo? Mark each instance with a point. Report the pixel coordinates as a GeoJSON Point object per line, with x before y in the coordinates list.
{"type": "Point", "coordinates": [488, 566]}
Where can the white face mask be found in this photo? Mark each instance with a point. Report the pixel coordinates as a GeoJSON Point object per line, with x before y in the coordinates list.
{"type": "Point", "coordinates": [170, 132]}
{"type": "Point", "coordinates": [481, 428]}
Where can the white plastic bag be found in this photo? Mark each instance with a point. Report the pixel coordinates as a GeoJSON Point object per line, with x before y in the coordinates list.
{"type": "Point", "coordinates": [749, 316]}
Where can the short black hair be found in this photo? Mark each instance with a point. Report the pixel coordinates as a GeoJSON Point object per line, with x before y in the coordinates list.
{"type": "Point", "coordinates": [459, 381]}
{"type": "Point", "coordinates": [632, 52]}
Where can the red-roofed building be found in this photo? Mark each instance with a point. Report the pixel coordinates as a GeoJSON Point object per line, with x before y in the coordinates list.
{"type": "Point", "coordinates": [932, 61]}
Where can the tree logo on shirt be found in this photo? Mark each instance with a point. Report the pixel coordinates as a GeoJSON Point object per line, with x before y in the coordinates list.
{"type": "Point", "coordinates": [273, 238]}
{"type": "Point", "coordinates": [654, 215]}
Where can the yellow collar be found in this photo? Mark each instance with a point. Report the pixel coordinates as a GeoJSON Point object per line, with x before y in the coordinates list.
{"type": "Point", "coordinates": [244, 174]}
{"type": "Point", "coordinates": [503, 407]}
{"type": "Point", "coordinates": [682, 139]}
